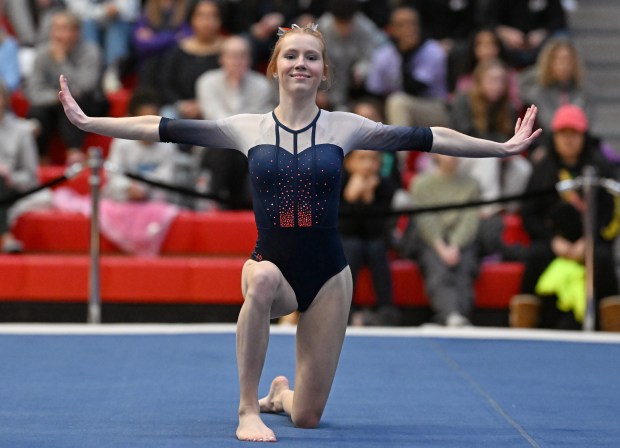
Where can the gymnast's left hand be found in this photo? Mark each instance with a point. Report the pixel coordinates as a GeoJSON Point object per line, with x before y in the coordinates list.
{"type": "Point", "coordinates": [72, 110]}
{"type": "Point", "coordinates": [524, 134]}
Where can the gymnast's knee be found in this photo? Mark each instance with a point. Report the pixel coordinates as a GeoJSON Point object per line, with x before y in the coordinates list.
{"type": "Point", "coordinates": [306, 420]}
{"type": "Point", "coordinates": [263, 282]}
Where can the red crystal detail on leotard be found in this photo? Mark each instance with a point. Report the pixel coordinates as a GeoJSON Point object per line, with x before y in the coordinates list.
{"type": "Point", "coordinates": [304, 218]}
{"type": "Point", "coordinates": [287, 219]}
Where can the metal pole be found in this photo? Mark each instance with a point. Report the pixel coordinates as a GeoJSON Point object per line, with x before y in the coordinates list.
{"type": "Point", "coordinates": [95, 162]}
{"type": "Point", "coordinates": [589, 229]}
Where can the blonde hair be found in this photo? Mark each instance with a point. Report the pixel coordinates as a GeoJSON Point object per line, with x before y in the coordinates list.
{"type": "Point", "coordinates": [545, 61]}
{"type": "Point", "coordinates": [311, 30]}
{"type": "Point", "coordinates": [480, 106]}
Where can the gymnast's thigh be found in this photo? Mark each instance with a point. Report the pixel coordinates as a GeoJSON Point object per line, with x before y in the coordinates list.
{"type": "Point", "coordinates": [320, 334]}
{"type": "Point", "coordinates": [284, 299]}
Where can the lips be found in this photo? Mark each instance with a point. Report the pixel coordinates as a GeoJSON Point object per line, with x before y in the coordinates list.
{"type": "Point", "coordinates": [300, 75]}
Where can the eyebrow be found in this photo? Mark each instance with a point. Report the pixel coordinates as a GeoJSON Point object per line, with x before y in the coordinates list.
{"type": "Point", "coordinates": [295, 50]}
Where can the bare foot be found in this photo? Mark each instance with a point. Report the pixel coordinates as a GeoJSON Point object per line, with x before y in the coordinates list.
{"type": "Point", "coordinates": [252, 429]}
{"type": "Point", "coordinates": [273, 401]}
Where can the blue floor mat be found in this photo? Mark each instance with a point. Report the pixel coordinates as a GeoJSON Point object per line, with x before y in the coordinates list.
{"type": "Point", "coordinates": [180, 390]}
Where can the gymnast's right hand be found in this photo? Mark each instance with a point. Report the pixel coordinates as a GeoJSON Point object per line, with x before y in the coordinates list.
{"type": "Point", "coordinates": [73, 111]}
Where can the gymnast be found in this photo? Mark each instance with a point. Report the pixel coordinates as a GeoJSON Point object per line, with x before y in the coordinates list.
{"type": "Point", "coordinates": [295, 158]}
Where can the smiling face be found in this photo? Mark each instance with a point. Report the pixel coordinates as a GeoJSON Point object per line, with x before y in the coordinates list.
{"type": "Point", "coordinates": [298, 62]}
{"type": "Point", "coordinates": [300, 65]}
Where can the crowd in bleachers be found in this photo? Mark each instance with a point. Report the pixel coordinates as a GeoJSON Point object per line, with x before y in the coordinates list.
{"type": "Point", "coordinates": [467, 64]}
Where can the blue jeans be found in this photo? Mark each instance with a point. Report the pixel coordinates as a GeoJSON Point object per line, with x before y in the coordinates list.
{"type": "Point", "coordinates": [114, 37]}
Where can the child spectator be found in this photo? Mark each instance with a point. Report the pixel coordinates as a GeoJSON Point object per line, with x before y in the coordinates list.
{"type": "Point", "coordinates": [365, 238]}
{"type": "Point", "coordinates": [446, 251]}
{"type": "Point", "coordinates": [153, 160]}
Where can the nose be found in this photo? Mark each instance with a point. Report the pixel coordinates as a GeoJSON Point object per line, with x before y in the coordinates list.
{"type": "Point", "coordinates": [300, 63]}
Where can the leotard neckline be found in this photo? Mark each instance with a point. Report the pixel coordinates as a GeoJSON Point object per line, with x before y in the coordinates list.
{"type": "Point", "coordinates": [293, 131]}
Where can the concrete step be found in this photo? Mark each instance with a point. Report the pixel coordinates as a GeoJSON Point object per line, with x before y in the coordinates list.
{"type": "Point", "coordinates": [607, 119]}
{"type": "Point", "coordinates": [594, 18]}
{"type": "Point", "coordinates": [599, 50]}
{"type": "Point", "coordinates": [602, 83]}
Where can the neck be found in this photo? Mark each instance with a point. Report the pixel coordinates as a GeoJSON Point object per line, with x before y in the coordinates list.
{"type": "Point", "coordinates": [296, 113]}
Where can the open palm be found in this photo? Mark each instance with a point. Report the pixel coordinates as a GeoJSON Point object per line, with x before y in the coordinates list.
{"type": "Point", "coordinates": [524, 136]}
{"type": "Point", "coordinates": [74, 113]}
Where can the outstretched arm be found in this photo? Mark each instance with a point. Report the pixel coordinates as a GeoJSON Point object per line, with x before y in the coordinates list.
{"type": "Point", "coordinates": [453, 143]}
{"type": "Point", "coordinates": [131, 128]}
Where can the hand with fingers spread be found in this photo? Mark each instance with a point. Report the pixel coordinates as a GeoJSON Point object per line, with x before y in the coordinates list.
{"type": "Point", "coordinates": [452, 143]}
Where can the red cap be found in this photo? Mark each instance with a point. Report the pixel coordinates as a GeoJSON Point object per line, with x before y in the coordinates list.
{"type": "Point", "coordinates": [569, 116]}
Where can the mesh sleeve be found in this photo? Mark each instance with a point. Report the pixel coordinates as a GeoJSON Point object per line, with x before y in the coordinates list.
{"type": "Point", "coordinates": [207, 133]}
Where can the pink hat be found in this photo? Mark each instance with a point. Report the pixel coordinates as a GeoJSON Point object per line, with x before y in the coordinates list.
{"type": "Point", "coordinates": [569, 116]}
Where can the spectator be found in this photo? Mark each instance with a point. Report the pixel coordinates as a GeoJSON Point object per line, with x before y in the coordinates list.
{"type": "Point", "coordinates": [411, 72]}
{"type": "Point", "coordinates": [556, 79]}
{"type": "Point", "coordinates": [230, 90]}
{"type": "Point", "coordinates": [147, 159]}
{"type": "Point", "coordinates": [233, 88]}
{"type": "Point", "coordinates": [351, 39]}
{"type": "Point", "coordinates": [523, 26]}
{"type": "Point", "coordinates": [190, 58]}
{"type": "Point", "coordinates": [162, 25]}
{"type": "Point", "coordinates": [484, 45]}
{"type": "Point", "coordinates": [372, 109]}
{"type": "Point", "coordinates": [108, 23]}
{"type": "Point", "coordinates": [10, 73]}
{"type": "Point", "coordinates": [65, 53]}
{"type": "Point", "coordinates": [554, 223]}
{"type": "Point", "coordinates": [364, 238]}
{"type": "Point", "coordinates": [18, 165]}
{"type": "Point", "coordinates": [446, 251]}
{"type": "Point", "coordinates": [450, 23]}
{"type": "Point", "coordinates": [486, 112]}
{"type": "Point", "coordinates": [31, 19]}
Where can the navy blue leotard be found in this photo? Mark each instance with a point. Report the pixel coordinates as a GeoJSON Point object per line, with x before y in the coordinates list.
{"type": "Point", "coordinates": [295, 178]}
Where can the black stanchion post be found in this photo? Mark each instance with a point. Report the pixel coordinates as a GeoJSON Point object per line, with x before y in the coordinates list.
{"type": "Point", "coordinates": [590, 183]}
{"type": "Point", "coordinates": [95, 162]}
